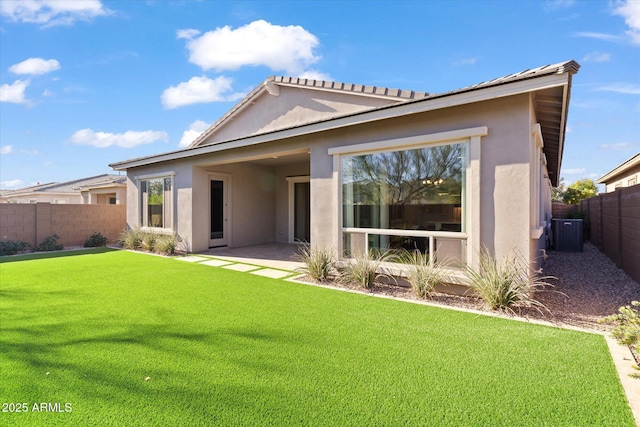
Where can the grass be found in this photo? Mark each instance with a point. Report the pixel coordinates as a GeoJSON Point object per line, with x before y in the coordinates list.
{"type": "Point", "coordinates": [226, 348]}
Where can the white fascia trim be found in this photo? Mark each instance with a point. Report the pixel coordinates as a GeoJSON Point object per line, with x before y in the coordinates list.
{"type": "Point", "coordinates": [155, 175]}
{"type": "Point", "coordinates": [412, 107]}
{"type": "Point", "coordinates": [419, 140]}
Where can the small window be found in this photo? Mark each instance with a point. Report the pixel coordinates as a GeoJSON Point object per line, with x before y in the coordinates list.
{"type": "Point", "coordinates": [632, 181]}
{"type": "Point", "coordinates": [112, 200]}
{"type": "Point", "coordinates": [155, 202]}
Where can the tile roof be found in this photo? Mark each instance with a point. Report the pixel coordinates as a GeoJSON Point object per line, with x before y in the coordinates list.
{"type": "Point", "coordinates": [398, 95]}
{"type": "Point", "coordinates": [74, 186]}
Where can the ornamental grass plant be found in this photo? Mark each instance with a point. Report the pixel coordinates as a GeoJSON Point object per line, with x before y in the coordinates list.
{"type": "Point", "coordinates": [367, 267]}
{"type": "Point", "coordinates": [319, 261]}
{"type": "Point", "coordinates": [507, 283]}
{"type": "Point", "coordinates": [421, 274]}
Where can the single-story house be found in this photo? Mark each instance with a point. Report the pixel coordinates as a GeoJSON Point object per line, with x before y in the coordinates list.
{"type": "Point", "coordinates": [626, 174]}
{"type": "Point", "coordinates": [353, 167]}
{"type": "Point", "coordinates": [99, 189]}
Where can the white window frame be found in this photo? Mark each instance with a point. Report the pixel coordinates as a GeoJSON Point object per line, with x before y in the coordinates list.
{"type": "Point", "coordinates": [167, 228]}
{"type": "Point", "coordinates": [471, 203]}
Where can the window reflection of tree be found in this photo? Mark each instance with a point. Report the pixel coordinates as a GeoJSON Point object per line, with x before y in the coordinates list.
{"type": "Point", "coordinates": [409, 177]}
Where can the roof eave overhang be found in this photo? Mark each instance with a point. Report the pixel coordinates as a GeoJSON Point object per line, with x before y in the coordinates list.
{"type": "Point", "coordinates": [435, 102]}
{"type": "Point", "coordinates": [619, 170]}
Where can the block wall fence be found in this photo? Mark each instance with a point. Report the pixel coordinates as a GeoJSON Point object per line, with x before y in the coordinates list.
{"type": "Point", "coordinates": [32, 223]}
{"type": "Point", "coordinates": [614, 222]}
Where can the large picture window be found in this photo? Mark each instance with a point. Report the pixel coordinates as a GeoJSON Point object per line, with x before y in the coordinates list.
{"type": "Point", "coordinates": [156, 202]}
{"type": "Point", "coordinates": [412, 190]}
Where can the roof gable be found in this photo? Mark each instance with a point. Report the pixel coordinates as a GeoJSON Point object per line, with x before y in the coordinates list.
{"type": "Point", "coordinates": [283, 102]}
{"type": "Point", "coordinates": [549, 84]}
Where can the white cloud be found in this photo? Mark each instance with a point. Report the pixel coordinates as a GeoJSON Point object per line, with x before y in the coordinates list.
{"type": "Point", "coordinates": [52, 12]}
{"type": "Point", "coordinates": [187, 33]}
{"type": "Point", "coordinates": [190, 135]}
{"type": "Point", "coordinates": [574, 171]}
{"type": "Point", "coordinates": [465, 61]}
{"type": "Point", "coordinates": [10, 184]}
{"type": "Point", "coordinates": [35, 66]}
{"type": "Point", "coordinates": [288, 49]}
{"type": "Point", "coordinates": [621, 87]}
{"type": "Point", "coordinates": [620, 146]}
{"type": "Point", "coordinates": [127, 139]}
{"type": "Point", "coordinates": [599, 36]}
{"type": "Point", "coordinates": [630, 11]}
{"type": "Point", "coordinates": [14, 92]}
{"type": "Point", "coordinates": [29, 152]}
{"type": "Point", "coordinates": [596, 57]}
{"type": "Point", "coordinates": [551, 5]}
{"type": "Point", "coordinates": [5, 149]}
{"type": "Point", "coordinates": [315, 75]}
{"type": "Point", "coordinates": [197, 90]}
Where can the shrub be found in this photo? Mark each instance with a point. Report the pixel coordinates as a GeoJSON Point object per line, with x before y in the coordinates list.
{"type": "Point", "coordinates": [422, 276]}
{"type": "Point", "coordinates": [95, 240]}
{"type": "Point", "coordinates": [319, 262]}
{"type": "Point", "coordinates": [12, 247]}
{"type": "Point", "coordinates": [366, 268]}
{"type": "Point", "coordinates": [507, 284]}
{"type": "Point", "coordinates": [49, 244]}
{"type": "Point", "coordinates": [167, 245]}
{"type": "Point", "coordinates": [131, 239]}
{"type": "Point", "coordinates": [627, 329]}
{"type": "Point", "coordinates": [149, 241]}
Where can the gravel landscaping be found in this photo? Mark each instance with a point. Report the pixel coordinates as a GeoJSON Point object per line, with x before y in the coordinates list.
{"type": "Point", "coordinates": [591, 287]}
{"type": "Point", "coordinates": [586, 287]}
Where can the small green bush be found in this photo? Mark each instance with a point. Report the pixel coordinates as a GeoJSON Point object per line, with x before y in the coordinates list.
{"type": "Point", "coordinates": [319, 262]}
{"type": "Point", "coordinates": [49, 244]}
{"type": "Point", "coordinates": [422, 276]}
{"type": "Point", "coordinates": [12, 247]}
{"type": "Point", "coordinates": [366, 268]}
{"type": "Point", "coordinates": [507, 284]}
{"type": "Point", "coordinates": [627, 329]}
{"type": "Point", "coordinates": [95, 240]}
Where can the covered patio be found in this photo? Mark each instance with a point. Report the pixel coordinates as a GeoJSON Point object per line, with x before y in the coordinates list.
{"type": "Point", "coordinates": [274, 255]}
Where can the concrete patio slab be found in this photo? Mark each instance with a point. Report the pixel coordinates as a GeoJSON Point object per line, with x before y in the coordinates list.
{"type": "Point", "coordinates": [274, 255]}
{"type": "Point", "coordinates": [274, 274]}
{"type": "Point", "coordinates": [216, 263]}
{"type": "Point", "coordinates": [192, 258]}
{"type": "Point", "coordinates": [241, 267]}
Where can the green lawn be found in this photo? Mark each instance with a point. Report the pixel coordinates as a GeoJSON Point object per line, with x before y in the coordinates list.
{"type": "Point", "coordinates": [227, 348]}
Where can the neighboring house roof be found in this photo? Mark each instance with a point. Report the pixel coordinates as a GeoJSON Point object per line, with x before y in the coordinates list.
{"type": "Point", "coordinates": [620, 169]}
{"type": "Point", "coordinates": [74, 186]}
{"type": "Point", "coordinates": [552, 84]}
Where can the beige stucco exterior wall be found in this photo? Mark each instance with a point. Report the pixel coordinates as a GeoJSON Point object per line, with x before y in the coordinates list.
{"type": "Point", "coordinates": [504, 168]}
{"type": "Point", "coordinates": [259, 207]}
{"type": "Point", "coordinates": [270, 112]}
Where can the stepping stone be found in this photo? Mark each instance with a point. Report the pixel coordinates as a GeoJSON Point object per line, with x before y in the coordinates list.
{"type": "Point", "coordinates": [216, 263]}
{"type": "Point", "coordinates": [192, 258]}
{"type": "Point", "coordinates": [241, 267]}
{"type": "Point", "coordinates": [274, 274]}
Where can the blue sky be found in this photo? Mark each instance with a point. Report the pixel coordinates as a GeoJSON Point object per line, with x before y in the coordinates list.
{"type": "Point", "coordinates": [87, 83]}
